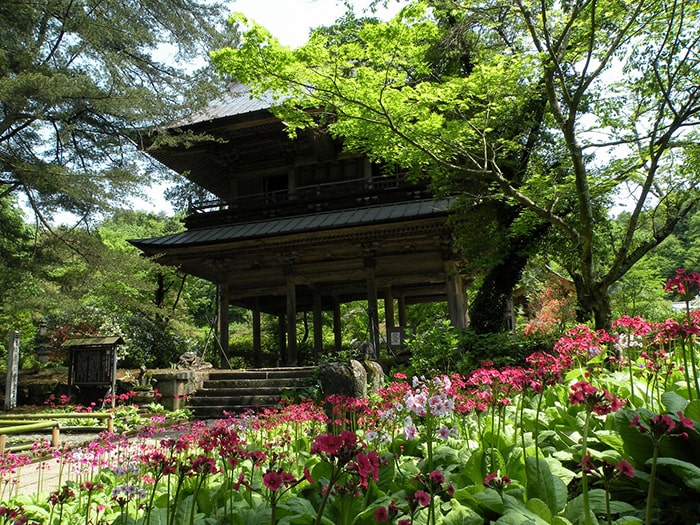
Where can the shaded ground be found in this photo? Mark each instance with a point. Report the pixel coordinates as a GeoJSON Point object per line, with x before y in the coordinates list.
{"type": "Point", "coordinates": [35, 387]}
{"type": "Point", "coordinates": [49, 474]}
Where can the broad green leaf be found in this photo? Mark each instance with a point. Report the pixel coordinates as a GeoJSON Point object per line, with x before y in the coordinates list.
{"type": "Point", "coordinates": [491, 500]}
{"type": "Point", "coordinates": [637, 445]}
{"type": "Point", "coordinates": [687, 472]}
{"type": "Point", "coordinates": [542, 484]}
{"type": "Point", "coordinates": [540, 508]}
{"type": "Point", "coordinates": [461, 515]}
{"type": "Point", "coordinates": [692, 410]}
{"type": "Point", "coordinates": [673, 402]}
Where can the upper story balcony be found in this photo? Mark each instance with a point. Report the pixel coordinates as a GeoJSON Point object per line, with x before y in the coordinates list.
{"type": "Point", "coordinates": [302, 200]}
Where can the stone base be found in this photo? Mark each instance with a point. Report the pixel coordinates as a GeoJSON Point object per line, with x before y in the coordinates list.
{"type": "Point", "coordinates": [175, 386]}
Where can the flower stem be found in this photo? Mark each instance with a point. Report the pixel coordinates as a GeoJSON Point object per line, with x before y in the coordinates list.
{"type": "Point", "coordinates": [652, 482]}
{"type": "Point", "coordinates": [584, 475]}
{"type": "Point", "coordinates": [536, 433]}
{"type": "Point", "coordinates": [684, 347]}
{"type": "Point", "coordinates": [331, 482]}
{"type": "Point", "coordinates": [629, 367]}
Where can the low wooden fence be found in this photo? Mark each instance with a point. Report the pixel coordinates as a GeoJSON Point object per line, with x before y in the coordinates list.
{"type": "Point", "coordinates": [28, 423]}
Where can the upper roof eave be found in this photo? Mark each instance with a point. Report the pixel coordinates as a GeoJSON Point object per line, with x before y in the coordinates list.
{"type": "Point", "coordinates": [295, 224]}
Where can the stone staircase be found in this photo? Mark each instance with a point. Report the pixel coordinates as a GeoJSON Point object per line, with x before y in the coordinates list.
{"type": "Point", "coordinates": [235, 391]}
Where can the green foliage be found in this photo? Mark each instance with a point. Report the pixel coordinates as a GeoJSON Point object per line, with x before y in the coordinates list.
{"type": "Point", "coordinates": [434, 350]}
{"type": "Point", "coordinates": [79, 83]}
{"type": "Point", "coordinates": [501, 349]}
{"type": "Point", "coordinates": [95, 283]}
{"type": "Point", "coordinates": [493, 102]}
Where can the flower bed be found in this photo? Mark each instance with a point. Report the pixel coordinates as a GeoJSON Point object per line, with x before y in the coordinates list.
{"type": "Point", "coordinates": [604, 429]}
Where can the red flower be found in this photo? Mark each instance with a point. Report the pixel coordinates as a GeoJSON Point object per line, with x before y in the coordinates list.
{"type": "Point", "coordinates": [489, 478]}
{"type": "Point", "coordinates": [685, 284]}
{"type": "Point", "coordinates": [272, 480]}
{"type": "Point", "coordinates": [437, 477]}
{"type": "Point", "coordinates": [307, 475]}
{"type": "Point", "coordinates": [422, 497]}
{"type": "Point", "coordinates": [625, 469]}
{"type": "Point", "coordinates": [494, 482]}
{"type": "Point", "coordinates": [367, 466]}
{"type": "Point", "coordinates": [600, 401]}
{"type": "Point", "coordinates": [381, 514]}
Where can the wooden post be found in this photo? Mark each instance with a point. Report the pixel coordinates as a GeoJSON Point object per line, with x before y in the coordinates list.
{"type": "Point", "coordinates": [222, 322]}
{"type": "Point", "coordinates": [388, 308]}
{"type": "Point", "coordinates": [291, 321]}
{"type": "Point", "coordinates": [12, 371]}
{"type": "Point", "coordinates": [257, 344]}
{"type": "Point", "coordinates": [115, 356]}
{"type": "Point", "coordinates": [401, 301]}
{"type": "Point", "coordinates": [456, 300]}
{"type": "Point", "coordinates": [318, 325]}
{"type": "Point", "coordinates": [337, 326]}
{"type": "Point", "coordinates": [3, 440]}
{"type": "Point", "coordinates": [56, 435]}
{"type": "Point", "coordinates": [282, 338]}
{"type": "Point", "coordinates": [110, 424]}
{"type": "Point", "coordinates": [372, 309]}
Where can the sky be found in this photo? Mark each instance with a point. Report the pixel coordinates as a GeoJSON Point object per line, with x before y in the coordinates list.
{"type": "Point", "coordinates": [290, 21]}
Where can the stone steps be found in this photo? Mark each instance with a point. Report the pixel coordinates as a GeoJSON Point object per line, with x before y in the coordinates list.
{"type": "Point", "coordinates": [236, 391]}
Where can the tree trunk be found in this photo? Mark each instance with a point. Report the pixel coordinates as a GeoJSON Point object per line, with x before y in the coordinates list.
{"type": "Point", "coordinates": [592, 303]}
{"type": "Point", "coordinates": [488, 311]}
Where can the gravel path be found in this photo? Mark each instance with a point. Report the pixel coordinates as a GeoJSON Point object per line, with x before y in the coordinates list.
{"type": "Point", "coordinates": [50, 474]}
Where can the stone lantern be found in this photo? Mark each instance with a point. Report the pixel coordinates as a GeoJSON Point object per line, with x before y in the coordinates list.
{"type": "Point", "coordinates": [41, 342]}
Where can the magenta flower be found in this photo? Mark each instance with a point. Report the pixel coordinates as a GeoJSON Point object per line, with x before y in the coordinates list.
{"type": "Point", "coordinates": [599, 401]}
{"type": "Point", "coordinates": [381, 514]}
{"type": "Point", "coordinates": [422, 498]}
{"type": "Point", "coordinates": [61, 496]}
{"type": "Point", "coordinates": [625, 469]}
{"type": "Point", "coordinates": [661, 426]}
{"type": "Point", "coordinates": [272, 480]}
{"type": "Point", "coordinates": [685, 283]}
{"type": "Point", "coordinates": [436, 477]}
{"type": "Point", "coordinates": [493, 481]}
{"type": "Point", "coordinates": [366, 467]}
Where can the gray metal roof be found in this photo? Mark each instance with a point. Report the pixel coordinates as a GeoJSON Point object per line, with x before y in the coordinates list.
{"type": "Point", "coordinates": [298, 224]}
{"type": "Point", "coordinates": [238, 101]}
{"type": "Point", "coordinates": [94, 341]}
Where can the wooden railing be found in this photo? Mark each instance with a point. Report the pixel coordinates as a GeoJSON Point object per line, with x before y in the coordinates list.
{"type": "Point", "coordinates": [27, 423]}
{"type": "Point", "coordinates": [304, 194]}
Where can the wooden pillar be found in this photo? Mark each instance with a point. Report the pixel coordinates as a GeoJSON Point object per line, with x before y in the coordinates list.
{"type": "Point", "coordinates": [222, 322]}
{"type": "Point", "coordinates": [367, 171]}
{"type": "Point", "coordinates": [291, 183]}
{"type": "Point", "coordinates": [291, 321]}
{"type": "Point", "coordinates": [257, 345]}
{"type": "Point", "coordinates": [456, 299]}
{"type": "Point", "coordinates": [372, 309]}
{"type": "Point", "coordinates": [318, 325]}
{"type": "Point", "coordinates": [337, 326]}
{"type": "Point", "coordinates": [282, 339]}
{"type": "Point", "coordinates": [401, 301]}
{"type": "Point", "coordinates": [389, 308]}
